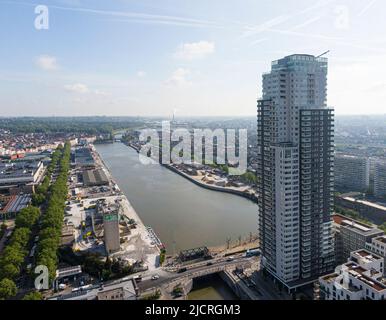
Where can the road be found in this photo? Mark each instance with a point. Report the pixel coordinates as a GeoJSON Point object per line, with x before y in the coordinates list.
{"type": "Point", "coordinates": [194, 270]}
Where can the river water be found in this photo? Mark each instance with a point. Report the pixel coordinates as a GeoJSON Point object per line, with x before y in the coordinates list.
{"type": "Point", "coordinates": [182, 214]}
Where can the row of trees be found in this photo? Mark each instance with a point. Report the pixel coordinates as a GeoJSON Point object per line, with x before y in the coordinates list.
{"type": "Point", "coordinates": [70, 125]}
{"type": "Point", "coordinates": [41, 193]}
{"type": "Point", "coordinates": [52, 220]}
{"type": "Point", "coordinates": [351, 214]}
{"type": "Point", "coordinates": [15, 252]}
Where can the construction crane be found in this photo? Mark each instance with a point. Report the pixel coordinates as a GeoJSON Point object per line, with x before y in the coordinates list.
{"type": "Point", "coordinates": [323, 54]}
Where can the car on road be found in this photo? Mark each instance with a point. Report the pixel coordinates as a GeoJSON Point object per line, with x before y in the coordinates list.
{"type": "Point", "coordinates": [155, 277]}
{"type": "Point", "coordinates": [231, 258]}
{"type": "Point", "coordinates": [209, 263]}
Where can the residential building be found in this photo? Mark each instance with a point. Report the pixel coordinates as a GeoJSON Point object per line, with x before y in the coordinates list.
{"type": "Point", "coordinates": [361, 278]}
{"type": "Point", "coordinates": [351, 235]}
{"type": "Point", "coordinates": [351, 173]}
{"type": "Point", "coordinates": [378, 246]}
{"type": "Point", "coordinates": [380, 179]}
{"type": "Point", "coordinates": [295, 167]}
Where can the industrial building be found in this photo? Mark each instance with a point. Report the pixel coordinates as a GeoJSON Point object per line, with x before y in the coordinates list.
{"type": "Point", "coordinates": [11, 205]}
{"type": "Point", "coordinates": [295, 169]}
{"type": "Point", "coordinates": [361, 278]}
{"type": "Point", "coordinates": [352, 173]}
{"type": "Point", "coordinates": [20, 176]}
{"type": "Point", "coordinates": [351, 235]}
{"type": "Point", "coordinates": [82, 158]}
{"type": "Point", "coordinates": [92, 178]}
{"type": "Point", "coordinates": [111, 233]}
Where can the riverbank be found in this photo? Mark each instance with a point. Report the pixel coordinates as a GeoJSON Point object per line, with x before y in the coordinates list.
{"type": "Point", "coordinates": [198, 182]}
{"type": "Point", "coordinates": [139, 244]}
{"type": "Point", "coordinates": [183, 214]}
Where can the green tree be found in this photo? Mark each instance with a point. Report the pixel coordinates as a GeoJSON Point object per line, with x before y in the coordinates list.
{"type": "Point", "coordinates": [8, 289]}
{"type": "Point", "coordinates": [35, 295]}
{"type": "Point", "coordinates": [9, 271]}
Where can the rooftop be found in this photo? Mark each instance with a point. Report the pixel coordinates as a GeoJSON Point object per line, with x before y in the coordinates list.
{"type": "Point", "coordinates": [354, 224]}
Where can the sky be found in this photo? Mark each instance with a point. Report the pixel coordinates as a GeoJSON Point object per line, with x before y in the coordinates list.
{"type": "Point", "coordinates": [187, 57]}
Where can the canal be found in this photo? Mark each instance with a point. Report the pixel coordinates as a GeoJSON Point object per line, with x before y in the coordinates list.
{"type": "Point", "coordinates": [182, 214]}
{"type": "Point", "coordinates": [211, 287]}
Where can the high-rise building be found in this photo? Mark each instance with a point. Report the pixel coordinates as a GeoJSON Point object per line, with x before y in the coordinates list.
{"type": "Point", "coordinates": [295, 170]}
{"type": "Point", "coordinates": [111, 227]}
{"type": "Point", "coordinates": [380, 179]}
{"type": "Point", "coordinates": [352, 173]}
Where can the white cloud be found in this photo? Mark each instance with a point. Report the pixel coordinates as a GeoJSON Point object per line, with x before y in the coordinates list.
{"type": "Point", "coordinates": [194, 50]}
{"type": "Point", "coordinates": [77, 88]}
{"type": "Point", "coordinates": [179, 77]}
{"type": "Point", "coordinates": [357, 86]}
{"type": "Point", "coordinates": [46, 62]}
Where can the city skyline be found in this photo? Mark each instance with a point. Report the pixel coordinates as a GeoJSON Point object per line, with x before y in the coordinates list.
{"type": "Point", "coordinates": [178, 59]}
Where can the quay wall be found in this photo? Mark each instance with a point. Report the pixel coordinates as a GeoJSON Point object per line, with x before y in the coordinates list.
{"type": "Point", "coordinates": [204, 185]}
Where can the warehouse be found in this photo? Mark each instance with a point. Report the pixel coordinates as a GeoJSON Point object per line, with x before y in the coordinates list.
{"type": "Point", "coordinates": [11, 205]}
{"type": "Point", "coordinates": [92, 178]}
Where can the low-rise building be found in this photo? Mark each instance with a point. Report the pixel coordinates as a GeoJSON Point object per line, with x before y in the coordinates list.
{"type": "Point", "coordinates": [378, 246]}
{"type": "Point", "coordinates": [372, 211]}
{"type": "Point", "coordinates": [20, 172]}
{"type": "Point", "coordinates": [83, 158]}
{"type": "Point", "coordinates": [351, 235]}
{"type": "Point", "coordinates": [361, 278]}
{"type": "Point", "coordinates": [92, 178]}
{"type": "Point", "coordinates": [11, 205]}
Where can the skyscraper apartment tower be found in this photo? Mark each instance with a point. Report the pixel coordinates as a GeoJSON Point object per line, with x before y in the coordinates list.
{"type": "Point", "coordinates": [295, 168]}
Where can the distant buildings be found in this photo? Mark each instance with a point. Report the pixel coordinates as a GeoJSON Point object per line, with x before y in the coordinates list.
{"type": "Point", "coordinates": [361, 278]}
{"type": "Point", "coordinates": [380, 179]}
{"type": "Point", "coordinates": [295, 169]}
{"type": "Point", "coordinates": [352, 173]}
{"type": "Point", "coordinates": [351, 235]}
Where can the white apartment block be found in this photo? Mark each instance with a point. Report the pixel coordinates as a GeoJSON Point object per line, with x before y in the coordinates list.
{"type": "Point", "coordinates": [361, 278]}
{"type": "Point", "coordinates": [295, 167]}
{"type": "Point", "coordinates": [378, 246]}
